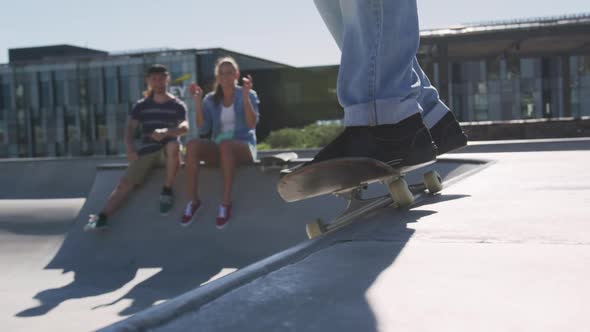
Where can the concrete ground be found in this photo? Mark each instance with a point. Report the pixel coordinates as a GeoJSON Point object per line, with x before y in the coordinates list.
{"type": "Point", "coordinates": [504, 247]}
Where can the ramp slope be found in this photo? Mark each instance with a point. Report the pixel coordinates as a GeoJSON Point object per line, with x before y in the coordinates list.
{"type": "Point", "coordinates": [145, 258]}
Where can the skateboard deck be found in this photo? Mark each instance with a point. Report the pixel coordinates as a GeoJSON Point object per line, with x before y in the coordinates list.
{"type": "Point", "coordinates": [332, 176]}
{"type": "Point", "coordinates": [279, 160]}
{"type": "Point", "coordinates": [347, 178]}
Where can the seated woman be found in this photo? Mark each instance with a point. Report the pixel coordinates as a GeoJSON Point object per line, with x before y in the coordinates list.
{"type": "Point", "coordinates": [229, 114]}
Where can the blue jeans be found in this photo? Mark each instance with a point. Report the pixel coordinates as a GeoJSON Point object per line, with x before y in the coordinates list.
{"type": "Point", "coordinates": [380, 80]}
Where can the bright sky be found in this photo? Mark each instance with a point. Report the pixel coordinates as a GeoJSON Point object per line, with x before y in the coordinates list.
{"type": "Point", "coordinates": [290, 32]}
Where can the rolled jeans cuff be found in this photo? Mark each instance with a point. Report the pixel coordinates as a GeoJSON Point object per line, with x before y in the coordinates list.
{"type": "Point", "coordinates": [432, 116]}
{"type": "Point", "coordinates": [380, 112]}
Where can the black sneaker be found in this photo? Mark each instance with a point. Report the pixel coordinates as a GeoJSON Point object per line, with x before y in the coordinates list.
{"type": "Point", "coordinates": [96, 223]}
{"type": "Point", "coordinates": [166, 201]}
{"type": "Point", "coordinates": [406, 143]}
{"type": "Point", "coordinates": [447, 134]}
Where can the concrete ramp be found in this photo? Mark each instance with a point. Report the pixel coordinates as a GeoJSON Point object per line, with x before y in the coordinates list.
{"type": "Point", "coordinates": [510, 242]}
{"type": "Point", "coordinates": [504, 250]}
{"type": "Point", "coordinates": [49, 178]}
{"type": "Point", "coordinates": [145, 258]}
{"type": "Point", "coordinates": [73, 280]}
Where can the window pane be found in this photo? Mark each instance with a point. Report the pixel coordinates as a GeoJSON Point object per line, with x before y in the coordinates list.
{"type": "Point", "coordinates": [6, 96]}
{"type": "Point", "coordinates": [94, 90]}
{"type": "Point", "coordinates": [493, 69]}
{"type": "Point", "coordinates": [124, 91]}
{"type": "Point", "coordinates": [111, 90]}
{"type": "Point", "coordinates": [512, 67]}
{"type": "Point", "coordinates": [60, 92]}
{"type": "Point", "coordinates": [45, 95]}
{"type": "Point", "coordinates": [527, 68]}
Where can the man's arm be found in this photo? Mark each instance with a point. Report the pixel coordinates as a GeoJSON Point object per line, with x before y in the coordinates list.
{"type": "Point", "coordinates": [250, 114]}
{"type": "Point", "coordinates": [160, 134]}
{"type": "Point", "coordinates": [182, 129]}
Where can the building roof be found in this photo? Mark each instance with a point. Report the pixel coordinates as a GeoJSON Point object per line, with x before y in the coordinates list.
{"type": "Point", "coordinates": [67, 53]}
{"type": "Point", "coordinates": [494, 26]}
{"type": "Point", "coordinates": [40, 53]}
{"type": "Point", "coordinates": [560, 35]}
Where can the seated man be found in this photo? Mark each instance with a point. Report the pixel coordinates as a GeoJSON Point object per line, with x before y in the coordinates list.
{"type": "Point", "coordinates": [163, 120]}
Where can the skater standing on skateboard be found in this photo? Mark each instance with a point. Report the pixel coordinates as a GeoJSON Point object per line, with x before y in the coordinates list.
{"type": "Point", "coordinates": [163, 120]}
{"type": "Point", "coordinates": [230, 115]}
{"type": "Point", "coordinates": [382, 87]}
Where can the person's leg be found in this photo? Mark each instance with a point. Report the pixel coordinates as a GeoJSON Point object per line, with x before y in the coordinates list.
{"type": "Point", "coordinates": [377, 85]}
{"type": "Point", "coordinates": [198, 150]}
{"type": "Point", "coordinates": [433, 108]}
{"type": "Point", "coordinates": [444, 127]}
{"type": "Point", "coordinates": [134, 175]}
{"type": "Point", "coordinates": [331, 13]}
{"type": "Point", "coordinates": [172, 163]}
{"type": "Point", "coordinates": [376, 82]}
{"type": "Point", "coordinates": [117, 197]}
{"type": "Point", "coordinates": [170, 158]}
{"type": "Point", "coordinates": [435, 112]}
{"type": "Point", "coordinates": [231, 154]}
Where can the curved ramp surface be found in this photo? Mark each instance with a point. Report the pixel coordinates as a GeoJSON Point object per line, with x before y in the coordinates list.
{"type": "Point", "coordinates": [504, 250]}
{"type": "Point", "coordinates": [143, 258]}
{"type": "Point", "coordinates": [49, 178]}
{"type": "Point", "coordinates": [63, 278]}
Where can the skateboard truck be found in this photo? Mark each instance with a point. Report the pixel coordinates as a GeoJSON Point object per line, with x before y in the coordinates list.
{"type": "Point", "coordinates": [400, 195]}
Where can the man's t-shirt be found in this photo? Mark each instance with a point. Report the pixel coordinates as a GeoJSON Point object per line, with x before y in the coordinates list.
{"type": "Point", "coordinates": [152, 116]}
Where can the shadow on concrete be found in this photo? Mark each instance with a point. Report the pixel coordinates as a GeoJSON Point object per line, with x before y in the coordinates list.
{"type": "Point", "coordinates": [302, 290]}
{"type": "Point", "coordinates": [156, 259]}
{"type": "Point", "coordinates": [428, 200]}
{"type": "Point", "coordinates": [299, 296]}
{"type": "Point", "coordinates": [184, 258]}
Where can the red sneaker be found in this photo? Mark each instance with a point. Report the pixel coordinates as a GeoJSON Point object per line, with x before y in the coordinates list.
{"type": "Point", "coordinates": [223, 216]}
{"type": "Point", "coordinates": [189, 213]}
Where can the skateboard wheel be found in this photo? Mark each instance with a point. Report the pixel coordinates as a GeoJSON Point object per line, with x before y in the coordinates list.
{"type": "Point", "coordinates": [315, 229]}
{"type": "Point", "coordinates": [433, 182]}
{"type": "Point", "coordinates": [400, 193]}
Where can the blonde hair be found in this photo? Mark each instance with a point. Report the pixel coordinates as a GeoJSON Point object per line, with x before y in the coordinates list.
{"type": "Point", "coordinates": [218, 95]}
{"type": "Point", "coordinates": [148, 93]}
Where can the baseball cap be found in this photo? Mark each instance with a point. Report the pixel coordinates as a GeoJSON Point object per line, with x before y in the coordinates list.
{"type": "Point", "coordinates": [156, 69]}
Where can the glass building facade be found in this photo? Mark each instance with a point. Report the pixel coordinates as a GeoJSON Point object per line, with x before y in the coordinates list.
{"type": "Point", "coordinates": [511, 70]}
{"type": "Point", "coordinates": [580, 85]}
{"type": "Point", "coordinates": [75, 104]}
{"type": "Point", "coordinates": [525, 88]}
{"type": "Point", "coordinates": [79, 106]}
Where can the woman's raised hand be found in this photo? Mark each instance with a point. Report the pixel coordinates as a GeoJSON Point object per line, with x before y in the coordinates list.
{"type": "Point", "coordinates": [247, 84]}
{"type": "Point", "coordinates": [195, 90]}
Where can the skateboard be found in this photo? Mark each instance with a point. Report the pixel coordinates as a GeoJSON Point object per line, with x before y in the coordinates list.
{"type": "Point", "coordinates": [347, 178]}
{"type": "Point", "coordinates": [277, 161]}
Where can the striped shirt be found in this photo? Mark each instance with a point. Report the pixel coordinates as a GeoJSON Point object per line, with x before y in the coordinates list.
{"type": "Point", "coordinates": [152, 115]}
